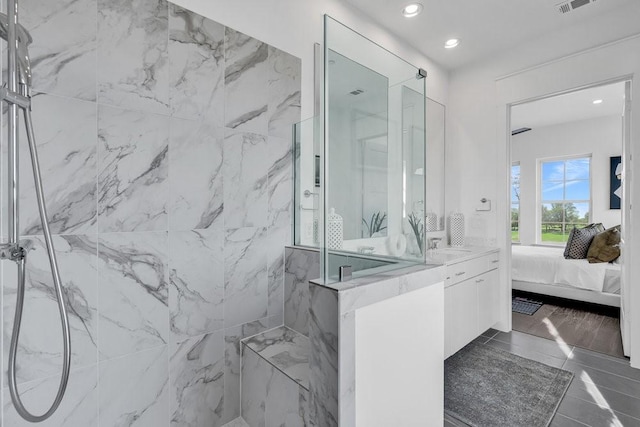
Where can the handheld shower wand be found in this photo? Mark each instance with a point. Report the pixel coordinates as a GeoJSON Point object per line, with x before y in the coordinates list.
{"type": "Point", "coordinates": [18, 95]}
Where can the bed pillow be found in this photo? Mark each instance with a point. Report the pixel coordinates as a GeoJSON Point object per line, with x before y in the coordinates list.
{"type": "Point", "coordinates": [580, 240]}
{"type": "Point", "coordinates": [605, 246]}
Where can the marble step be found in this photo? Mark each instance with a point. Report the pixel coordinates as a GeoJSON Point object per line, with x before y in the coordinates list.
{"type": "Point", "coordinates": [275, 379]}
{"type": "Point", "coordinates": [285, 349]}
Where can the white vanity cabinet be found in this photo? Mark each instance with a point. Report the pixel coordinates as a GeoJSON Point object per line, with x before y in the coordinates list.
{"type": "Point", "coordinates": [471, 297]}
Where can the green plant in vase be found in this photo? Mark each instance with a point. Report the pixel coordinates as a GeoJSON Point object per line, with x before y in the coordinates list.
{"type": "Point", "coordinates": [418, 229]}
{"type": "Point", "coordinates": [376, 223]}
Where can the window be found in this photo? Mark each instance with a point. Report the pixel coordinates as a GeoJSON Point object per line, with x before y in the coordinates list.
{"type": "Point", "coordinates": [515, 202]}
{"type": "Point", "coordinates": [565, 195]}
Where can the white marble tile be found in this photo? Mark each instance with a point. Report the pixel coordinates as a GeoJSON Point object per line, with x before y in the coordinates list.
{"type": "Point", "coordinates": [245, 170]}
{"type": "Point", "coordinates": [280, 184]}
{"type": "Point", "coordinates": [40, 346]}
{"type": "Point", "coordinates": [197, 381]}
{"type": "Point", "coordinates": [285, 73]}
{"type": "Point", "coordinates": [301, 266]}
{"type": "Point", "coordinates": [246, 281]}
{"type": "Point", "coordinates": [65, 133]}
{"type": "Point", "coordinates": [196, 64]}
{"type": "Point", "coordinates": [246, 83]}
{"type": "Point", "coordinates": [283, 402]}
{"type": "Point", "coordinates": [133, 390]}
{"type": "Point", "coordinates": [275, 301]}
{"type": "Point", "coordinates": [63, 52]}
{"type": "Point", "coordinates": [323, 360]}
{"type": "Point", "coordinates": [256, 375]}
{"type": "Point", "coordinates": [285, 349]}
{"type": "Point", "coordinates": [277, 238]}
{"type": "Point", "coordinates": [388, 285]}
{"type": "Point", "coordinates": [196, 273]}
{"type": "Point", "coordinates": [303, 406]}
{"type": "Point", "coordinates": [133, 171]}
{"type": "Point", "coordinates": [78, 408]}
{"type": "Point", "coordinates": [238, 422]}
{"type": "Point", "coordinates": [269, 397]}
{"type": "Point", "coordinates": [133, 70]}
{"type": "Point", "coordinates": [232, 365]}
{"type": "Point", "coordinates": [275, 321]}
{"type": "Point", "coordinates": [132, 292]}
{"type": "Point", "coordinates": [195, 175]}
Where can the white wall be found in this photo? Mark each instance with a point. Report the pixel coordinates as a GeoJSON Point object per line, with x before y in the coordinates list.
{"type": "Point", "coordinates": [295, 25]}
{"type": "Point", "coordinates": [477, 144]}
{"type": "Point", "coordinates": [601, 138]}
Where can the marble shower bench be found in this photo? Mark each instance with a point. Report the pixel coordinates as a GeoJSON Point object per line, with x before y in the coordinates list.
{"type": "Point", "coordinates": [275, 378]}
{"type": "Point", "coordinates": [389, 324]}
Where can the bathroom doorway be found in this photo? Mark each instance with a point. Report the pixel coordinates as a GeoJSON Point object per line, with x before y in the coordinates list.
{"type": "Point", "coordinates": [567, 217]}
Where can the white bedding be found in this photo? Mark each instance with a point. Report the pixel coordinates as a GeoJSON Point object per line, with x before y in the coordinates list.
{"type": "Point", "coordinates": [539, 264]}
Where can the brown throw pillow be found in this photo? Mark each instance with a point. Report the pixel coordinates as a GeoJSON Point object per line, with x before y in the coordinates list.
{"type": "Point", "coordinates": [580, 240]}
{"type": "Point", "coordinates": [605, 247]}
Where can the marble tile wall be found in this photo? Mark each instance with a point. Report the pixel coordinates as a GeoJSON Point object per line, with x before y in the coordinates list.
{"type": "Point", "coordinates": [302, 265]}
{"type": "Point", "coordinates": [165, 145]}
{"type": "Point", "coordinates": [324, 356]}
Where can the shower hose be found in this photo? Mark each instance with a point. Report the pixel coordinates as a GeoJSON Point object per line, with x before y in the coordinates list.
{"type": "Point", "coordinates": [21, 259]}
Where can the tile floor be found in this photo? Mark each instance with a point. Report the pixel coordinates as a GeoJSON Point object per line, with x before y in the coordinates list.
{"type": "Point", "coordinates": [605, 391]}
{"type": "Point", "coordinates": [597, 330]}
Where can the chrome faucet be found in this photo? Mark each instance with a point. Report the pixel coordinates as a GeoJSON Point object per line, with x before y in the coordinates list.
{"type": "Point", "coordinates": [433, 242]}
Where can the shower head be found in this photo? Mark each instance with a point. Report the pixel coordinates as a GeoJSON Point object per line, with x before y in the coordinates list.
{"type": "Point", "coordinates": [24, 40]}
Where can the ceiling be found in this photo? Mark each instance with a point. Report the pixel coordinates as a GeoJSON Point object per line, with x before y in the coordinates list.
{"type": "Point", "coordinates": [570, 107]}
{"type": "Point", "coordinates": [488, 27]}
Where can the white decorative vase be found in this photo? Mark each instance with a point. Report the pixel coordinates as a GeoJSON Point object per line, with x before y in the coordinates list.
{"type": "Point", "coordinates": [316, 232]}
{"type": "Point", "coordinates": [334, 230]}
{"type": "Point", "coordinates": [456, 230]}
{"type": "Point", "coordinates": [431, 221]}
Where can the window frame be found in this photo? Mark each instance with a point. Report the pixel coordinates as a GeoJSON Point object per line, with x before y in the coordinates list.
{"type": "Point", "coordinates": [514, 164]}
{"type": "Point", "coordinates": [540, 202]}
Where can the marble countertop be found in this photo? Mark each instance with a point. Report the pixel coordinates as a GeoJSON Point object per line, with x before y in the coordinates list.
{"type": "Point", "coordinates": [363, 291]}
{"type": "Point", "coordinates": [448, 255]}
{"type": "Point", "coordinates": [383, 282]}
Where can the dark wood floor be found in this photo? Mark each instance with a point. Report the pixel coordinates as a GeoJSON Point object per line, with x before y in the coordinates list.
{"type": "Point", "coordinates": [590, 327]}
{"type": "Point", "coordinates": [605, 390]}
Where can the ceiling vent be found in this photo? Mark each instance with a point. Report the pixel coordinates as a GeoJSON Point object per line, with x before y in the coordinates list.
{"type": "Point", "coordinates": [568, 6]}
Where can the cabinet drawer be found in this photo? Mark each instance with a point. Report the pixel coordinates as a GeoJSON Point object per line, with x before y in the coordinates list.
{"type": "Point", "coordinates": [467, 269]}
{"type": "Point", "coordinates": [493, 260]}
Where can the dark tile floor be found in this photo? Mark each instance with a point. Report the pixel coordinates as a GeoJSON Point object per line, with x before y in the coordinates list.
{"type": "Point", "coordinates": [605, 391]}
{"type": "Point", "coordinates": [592, 329]}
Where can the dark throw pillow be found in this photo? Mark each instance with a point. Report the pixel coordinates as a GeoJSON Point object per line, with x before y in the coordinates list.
{"type": "Point", "coordinates": [580, 240]}
{"type": "Point", "coordinates": [605, 246]}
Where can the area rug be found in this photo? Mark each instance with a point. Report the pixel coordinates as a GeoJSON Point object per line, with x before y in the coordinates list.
{"type": "Point", "coordinates": [489, 387]}
{"type": "Point", "coordinates": [525, 305]}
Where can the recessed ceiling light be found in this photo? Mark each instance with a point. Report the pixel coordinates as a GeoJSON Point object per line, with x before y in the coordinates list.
{"type": "Point", "coordinates": [451, 43]}
{"type": "Point", "coordinates": [411, 10]}
{"type": "Point", "coordinates": [598, 101]}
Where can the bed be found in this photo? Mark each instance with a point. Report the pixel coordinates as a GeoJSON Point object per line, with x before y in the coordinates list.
{"type": "Point", "coordinates": [544, 270]}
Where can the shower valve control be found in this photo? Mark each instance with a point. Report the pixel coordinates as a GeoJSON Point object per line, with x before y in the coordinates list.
{"type": "Point", "coordinates": [15, 252]}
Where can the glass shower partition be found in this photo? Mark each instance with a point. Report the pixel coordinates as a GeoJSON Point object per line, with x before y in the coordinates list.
{"type": "Point", "coordinates": [371, 159]}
